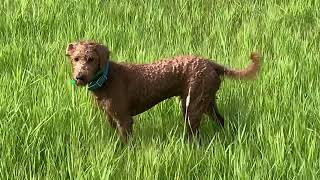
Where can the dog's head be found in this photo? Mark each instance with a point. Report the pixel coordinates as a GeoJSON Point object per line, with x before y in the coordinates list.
{"type": "Point", "coordinates": [87, 59]}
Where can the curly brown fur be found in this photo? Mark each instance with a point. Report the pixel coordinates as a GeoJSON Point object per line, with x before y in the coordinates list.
{"type": "Point", "coordinates": [134, 88]}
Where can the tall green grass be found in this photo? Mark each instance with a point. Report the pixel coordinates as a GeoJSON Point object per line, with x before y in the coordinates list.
{"type": "Point", "coordinates": [51, 130]}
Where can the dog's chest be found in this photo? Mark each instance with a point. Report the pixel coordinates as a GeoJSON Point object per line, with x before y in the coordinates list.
{"type": "Point", "coordinates": [105, 104]}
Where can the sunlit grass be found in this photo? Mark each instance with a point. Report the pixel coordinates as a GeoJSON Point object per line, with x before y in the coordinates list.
{"type": "Point", "coordinates": [49, 129]}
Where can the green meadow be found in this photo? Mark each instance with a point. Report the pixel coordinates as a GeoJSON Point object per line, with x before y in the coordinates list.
{"type": "Point", "coordinates": [52, 130]}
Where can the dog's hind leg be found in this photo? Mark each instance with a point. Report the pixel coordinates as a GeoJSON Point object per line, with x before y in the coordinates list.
{"type": "Point", "coordinates": [214, 113]}
{"type": "Point", "coordinates": [183, 106]}
{"type": "Point", "coordinates": [195, 106]}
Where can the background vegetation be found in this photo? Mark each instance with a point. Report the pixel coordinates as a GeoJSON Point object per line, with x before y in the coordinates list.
{"type": "Point", "coordinates": [49, 129]}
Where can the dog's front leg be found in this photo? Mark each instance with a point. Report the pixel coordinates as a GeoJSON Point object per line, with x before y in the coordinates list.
{"type": "Point", "coordinates": [111, 121]}
{"type": "Point", "coordinates": [125, 125]}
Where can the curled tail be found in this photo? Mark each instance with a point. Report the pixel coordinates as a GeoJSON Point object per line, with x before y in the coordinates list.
{"type": "Point", "coordinates": [247, 73]}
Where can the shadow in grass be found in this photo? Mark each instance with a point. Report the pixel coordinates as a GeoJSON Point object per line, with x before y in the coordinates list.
{"type": "Point", "coordinates": [164, 124]}
{"type": "Point", "coordinates": [235, 113]}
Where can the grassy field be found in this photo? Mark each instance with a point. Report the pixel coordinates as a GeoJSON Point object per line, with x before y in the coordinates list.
{"type": "Point", "coordinates": [49, 129]}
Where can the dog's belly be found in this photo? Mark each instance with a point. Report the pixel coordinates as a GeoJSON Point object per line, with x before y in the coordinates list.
{"type": "Point", "coordinates": [145, 103]}
{"type": "Point", "coordinates": [152, 93]}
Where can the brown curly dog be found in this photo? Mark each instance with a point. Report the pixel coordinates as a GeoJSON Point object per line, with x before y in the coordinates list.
{"type": "Point", "coordinates": [125, 90]}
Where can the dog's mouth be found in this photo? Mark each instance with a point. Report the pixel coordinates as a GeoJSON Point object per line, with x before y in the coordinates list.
{"type": "Point", "coordinates": [81, 82]}
{"type": "Point", "coordinates": [82, 79]}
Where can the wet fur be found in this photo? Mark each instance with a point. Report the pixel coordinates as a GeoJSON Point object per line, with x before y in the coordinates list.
{"type": "Point", "coordinates": [134, 88]}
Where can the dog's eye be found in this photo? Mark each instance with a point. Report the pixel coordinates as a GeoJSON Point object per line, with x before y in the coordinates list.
{"type": "Point", "coordinates": [76, 59]}
{"type": "Point", "coordinates": [90, 59]}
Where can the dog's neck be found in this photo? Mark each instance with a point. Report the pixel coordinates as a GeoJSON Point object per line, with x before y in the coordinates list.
{"type": "Point", "coordinates": [100, 78]}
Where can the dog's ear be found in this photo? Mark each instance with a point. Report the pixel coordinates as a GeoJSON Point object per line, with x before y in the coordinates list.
{"type": "Point", "coordinates": [103, 53]}
{"type": "Point", "coordinates": [70, 49]}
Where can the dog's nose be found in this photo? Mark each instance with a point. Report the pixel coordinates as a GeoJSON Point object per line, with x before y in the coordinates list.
{"type": "Point", "coordinates": [80, 76]}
